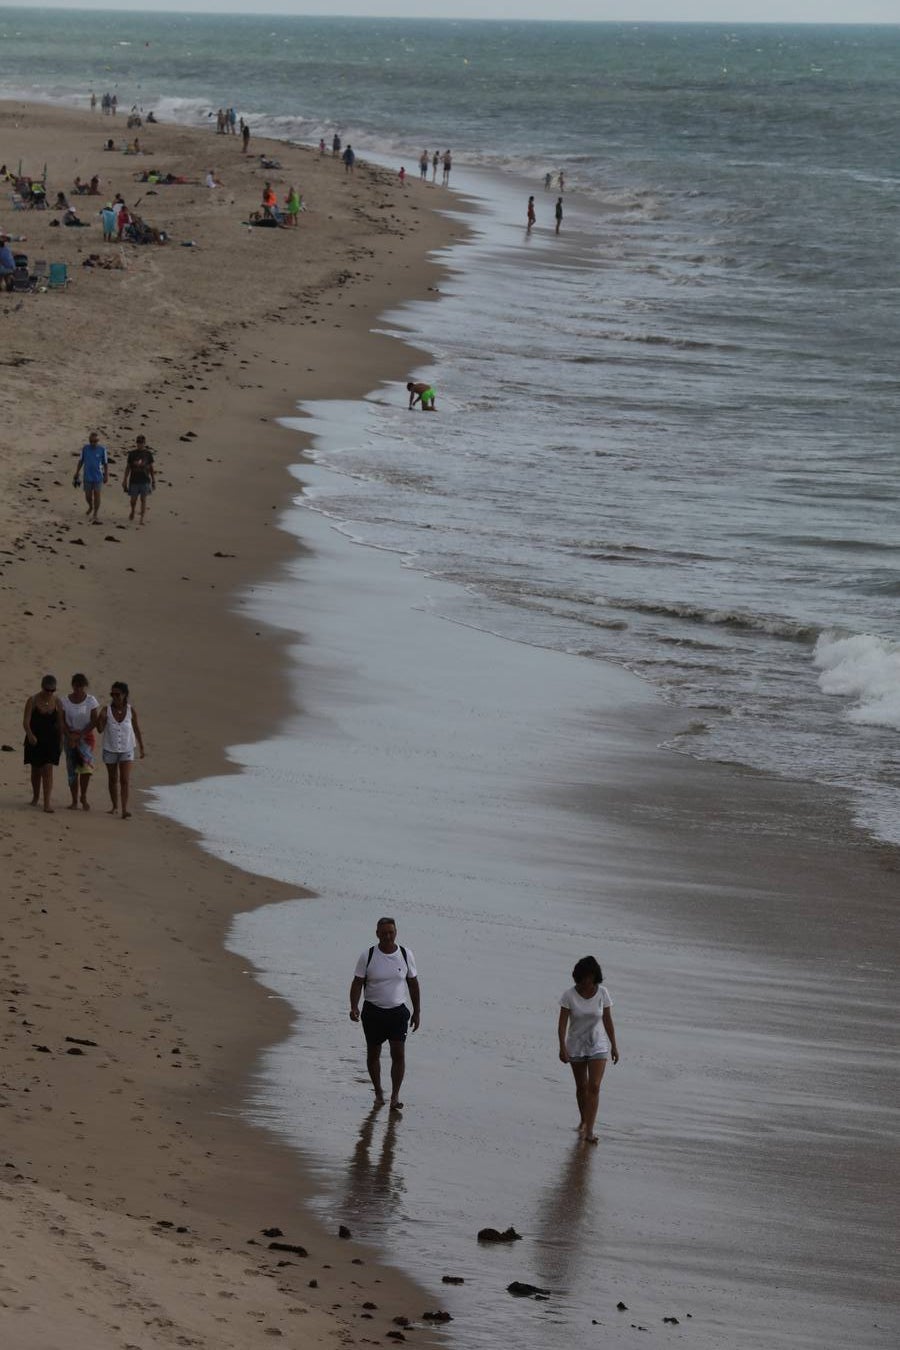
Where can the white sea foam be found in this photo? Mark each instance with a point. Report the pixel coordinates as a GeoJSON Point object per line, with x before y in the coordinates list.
{"type": "Point", "coordinates": [866, 668]}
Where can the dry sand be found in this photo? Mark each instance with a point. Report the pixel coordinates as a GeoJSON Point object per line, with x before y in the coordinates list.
{"type": "Point", "coordinates": [113, 929]}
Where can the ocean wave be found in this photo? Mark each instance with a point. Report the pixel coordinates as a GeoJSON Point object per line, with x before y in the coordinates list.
{"type": "Point", "coordinates": [772, 624]}
{"type": "Point", "coordinates": [864, 667]}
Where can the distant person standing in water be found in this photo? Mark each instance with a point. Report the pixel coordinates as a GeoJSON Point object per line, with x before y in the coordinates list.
{"type": "Point", "coordinates": [435, 161]}
{"type": "Point", "coordinates": [423, 166]}
{"type": "Point", "coordinates": [587, 1039]}
{"type": "Point", "coordinates": [448, 165]}
{"type": "Point", "coordinates": [531, 215]}
{"type": "Point", "coordinates": [562, 181]}
{"type": "Point", "coordinates": [335, 146]}
{"type": "Point", "coordinates": [349, 159]}
{"type": "Point", "coordinates": [245, 138]}
{"type": "Point", "coordinates": [559, 213]}
{"type": "Point", "coordinates": [387, 973]}
{"type": "Point", "coordinates": [548, 181]}
{"type": "Point", "coordinates": [421, 393]}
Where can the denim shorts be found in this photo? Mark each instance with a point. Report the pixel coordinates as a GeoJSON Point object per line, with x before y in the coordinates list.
{"type": "Point", "coordinates": [118, 756]}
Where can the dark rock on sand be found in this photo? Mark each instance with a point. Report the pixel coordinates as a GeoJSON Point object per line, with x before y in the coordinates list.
{"type": "Point", "coordinates": [6, 747]}
{"type": "Point", "coordinates": [401, 1321]}
{"type": "Point", "coordinates": [288, 1247]}
{"type": "Point", "coordinates": [622, 1307]}
{"type": "Point", "coordinates": [79, 1040]}
{"type": "Point", "coordinates": [313, 1284]}
{"type": "Point", "coordinates": [74, 1050]}
{"type": "Point", "coordinates": [494, 1235]}
{"type": "Point", "coordinates": [439, 1316]}
{"type": "Point", "coordinates": [272, 1232]}
{"type": "Point", "coordinates": [673, 1321]}
{"type": "Point", "coordinates": [452, 1279]}
{"type": "Point", "coordinates": [520, 1290]}
{"type": "Point", "coordinates": [344, 1232]}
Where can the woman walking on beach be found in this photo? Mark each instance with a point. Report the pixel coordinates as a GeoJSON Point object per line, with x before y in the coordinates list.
{"type": "Point", "coordinates": [118, 725]}
{"type": "Point", "coordinates": [80, 715]}
{"type": "Point", "coordinates": [587, 1039]}
{"type": "Point", "coordinates": [44, 734]}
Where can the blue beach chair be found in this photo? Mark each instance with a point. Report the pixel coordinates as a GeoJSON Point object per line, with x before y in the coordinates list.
{"type": "Point", "coordinates": [58, 277]}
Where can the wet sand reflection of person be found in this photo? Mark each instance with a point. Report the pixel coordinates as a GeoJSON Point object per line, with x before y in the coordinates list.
{"type": "Point", "coordinates": [561, 1243]}
{"type": "Point", "coordinates": [373, 1189]}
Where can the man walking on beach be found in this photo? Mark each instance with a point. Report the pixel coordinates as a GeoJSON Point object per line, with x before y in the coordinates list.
{"type": "Point", "coordinates": [386, 972]}
{"type": "Point", "coordinates": [140, 476]}
{"type": "Point", "coordinates": [94, 464]}
{"type": "Point", "coordinates": [559, 213]}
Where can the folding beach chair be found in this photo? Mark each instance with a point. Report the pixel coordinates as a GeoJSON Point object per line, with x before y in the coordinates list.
{"type": "Point", "coordinates": [21, 281]}
{"type": "Point", "coordinates": [18, 204]}
{"type": "Point", "coordinates": [39, 271]}
{"type": "Point", "coordinates": [58, 278]}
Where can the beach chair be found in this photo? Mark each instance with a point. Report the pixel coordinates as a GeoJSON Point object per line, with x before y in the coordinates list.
{"type": "Point", "coordinates": [18, 204]}
{"type": "Point", "coordinates": [39, 272]}
{"type": "Point", "coordinates": [58, 277]}
{"type": "Point", "coordinates": [21, 280]}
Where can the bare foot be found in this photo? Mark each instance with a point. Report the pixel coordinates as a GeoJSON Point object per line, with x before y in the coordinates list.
{"type": "Point", "coordinates": [49, 810]}
{"type": "Point", "coordinates": [379, 1099]}
{"type": "Point", "coordinates": [126, 815]}
{"type": "Point", "coordinates": [85, 807]}
{"type": "Point", "coordinates": [112, 810]}
{"type": "Point", "coordinates": [73, 807]}
{"type": "Point", "coordinates": [591, 1138]}
{"type": "Point", "coordinates": [395, 1105]}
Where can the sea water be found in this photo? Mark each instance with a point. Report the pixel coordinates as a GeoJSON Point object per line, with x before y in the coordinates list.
{"type": "Point", "coordinates": [665, 439]}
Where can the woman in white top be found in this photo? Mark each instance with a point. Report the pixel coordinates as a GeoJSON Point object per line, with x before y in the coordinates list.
{"type": "Point", "coordinates": [587, 1039]}
{"type": "Point", "coordinates": [118, 724]}
{"type": "Point", "coordinates": [80, 711]}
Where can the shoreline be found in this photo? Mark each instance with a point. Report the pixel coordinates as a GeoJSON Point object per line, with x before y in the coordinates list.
{"type": "Point", "coordinates": [605, 800]}
{"type": "Point", "coordinates": [169, 347]}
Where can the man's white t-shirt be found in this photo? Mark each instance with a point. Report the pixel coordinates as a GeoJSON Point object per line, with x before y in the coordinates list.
{"type": "Point", "coordinates": [586, 1034]}
{"type": "Point", "coordinates": [386, 976]}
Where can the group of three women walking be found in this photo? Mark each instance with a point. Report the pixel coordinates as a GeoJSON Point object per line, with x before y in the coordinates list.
{"type": "Point", "coordinates": [70, 724]}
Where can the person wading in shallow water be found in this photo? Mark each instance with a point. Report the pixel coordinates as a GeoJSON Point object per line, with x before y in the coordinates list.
{"type": "Point", "coordinates": [386, 972]}
{"type": "Point", "coordinates": [587, 1039]}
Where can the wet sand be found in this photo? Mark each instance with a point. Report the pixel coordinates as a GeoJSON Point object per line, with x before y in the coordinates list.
{"type": "Point", "coordinates": [513, 808]}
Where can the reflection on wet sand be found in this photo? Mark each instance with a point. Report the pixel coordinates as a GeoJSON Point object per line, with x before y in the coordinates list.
{"type": "Point", "coordinates": [562, 1240]}
{"type": "Point", "coordinates": [372, 1187]}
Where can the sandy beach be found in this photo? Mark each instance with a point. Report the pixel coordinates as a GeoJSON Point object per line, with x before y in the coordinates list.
{"type": "Point", "coordinates": [132, 1190]}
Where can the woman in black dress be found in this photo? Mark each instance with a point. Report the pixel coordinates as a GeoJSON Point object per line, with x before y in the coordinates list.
{"type": "Point", "coordinates": [45, 729]}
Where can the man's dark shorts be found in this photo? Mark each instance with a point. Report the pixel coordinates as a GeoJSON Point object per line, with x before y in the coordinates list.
{"type": "Point", "coordinates": [384, 1024]}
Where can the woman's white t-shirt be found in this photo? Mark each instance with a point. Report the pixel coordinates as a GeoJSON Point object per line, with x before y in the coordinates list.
{"type": "Point", "coordinates": [586, 1034]}
{"type": "Point", "coordinates": [78, 715]}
